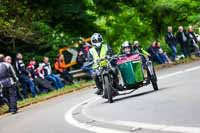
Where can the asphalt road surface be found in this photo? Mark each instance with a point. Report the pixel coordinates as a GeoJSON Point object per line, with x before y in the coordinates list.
{"type": "Point", "coordinates": [175, 108]}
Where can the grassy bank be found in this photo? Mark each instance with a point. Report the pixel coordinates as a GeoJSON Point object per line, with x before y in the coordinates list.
{"type": "Point", "coordinates": [81, 85]}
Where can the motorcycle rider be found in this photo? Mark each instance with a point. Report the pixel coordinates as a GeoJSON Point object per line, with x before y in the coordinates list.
{"type": "Point", "coordinates": [98, 51]}
{"type": "Point", "coordinates": [128, 50]}
{"type": "Point", "coordinates": [138, 49]}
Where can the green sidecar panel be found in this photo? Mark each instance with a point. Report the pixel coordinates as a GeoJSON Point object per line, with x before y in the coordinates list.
{"type": "Point", "coordinates": [131, 72]}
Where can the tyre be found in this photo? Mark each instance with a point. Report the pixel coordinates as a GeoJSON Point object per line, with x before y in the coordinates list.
{"type": "Point", "coordinates": [155, 74]}
{"type": "Point", "coordinates": [108, 89]}
{"type": "Point", "coordinates": [153, 79]}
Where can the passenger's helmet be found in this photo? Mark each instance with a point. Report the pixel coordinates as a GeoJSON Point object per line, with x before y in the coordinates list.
{"type": "Point", "coordinates": [136, 45]}
{"type": "Point", "coordinates": [97, 40]}
{"type": "Point", "coordinates": [126, 48]}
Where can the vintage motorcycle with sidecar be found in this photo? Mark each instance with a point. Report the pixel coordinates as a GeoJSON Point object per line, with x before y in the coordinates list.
{"type": "Point", "coordinates": [119, 74]}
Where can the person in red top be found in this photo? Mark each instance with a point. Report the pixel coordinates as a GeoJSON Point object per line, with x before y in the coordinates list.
{"type": "Point", "coordinates": [82, 58]}
{"type": "Point", "coordinates": [59, 66]}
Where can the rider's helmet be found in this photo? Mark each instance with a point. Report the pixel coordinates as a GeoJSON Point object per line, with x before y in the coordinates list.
{"type": "Point", "coordinates": [126, 48]}
{"type": "Point", "coordinates": [97, 40]}
{"type": "Point", "coordinates": [136, 45]}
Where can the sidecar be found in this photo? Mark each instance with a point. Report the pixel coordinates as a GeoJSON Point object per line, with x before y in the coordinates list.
{"type": "Point", "coordinates": [133, 74]}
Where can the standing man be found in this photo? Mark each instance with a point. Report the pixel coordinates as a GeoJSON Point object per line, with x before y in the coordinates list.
{"type": "Point", "coordinates": [24, 76]}
{"type": "Point", "coordinates": [171, 41]}
{"type": "Point", "coordinates": [192, 40]}
{"type": "Point", "coordinates": [8, 79]}
{"type": "Point", "coordinates": [182, 40]}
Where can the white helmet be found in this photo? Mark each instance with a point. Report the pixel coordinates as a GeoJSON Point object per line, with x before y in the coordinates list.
{"type": "Point", "coordinates": [97, 40]}
{"type": "Point", "coordinates": [125, 44]}
{"type": "Point", "coordinates": [135, 42]}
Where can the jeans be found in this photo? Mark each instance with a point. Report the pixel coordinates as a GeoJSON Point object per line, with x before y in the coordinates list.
{"type": "Point", "coordinates": [163, 57]}
{"type": "Point", "coordinates": [174, 51]}
{"type": "Point", "coordinates": [158, 59]}
{"type": "Point", "coordinates": [27, 83]}
{"type": "Point", "coordinates": [87, 69]}
{"type": "Point", "coordinates": [56, 81]}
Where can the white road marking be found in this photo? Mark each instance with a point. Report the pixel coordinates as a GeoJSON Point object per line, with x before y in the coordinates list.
{"type": "Point", "coordinates": [179, 72]}
{"type": "Point", "coordinates": [159, 127]}
{"type": "Point", "coordinates": [140, 125]}
{"type": "Point", "coordinates": [69, 118]}
{"type": "Point", "coordinates": [136, 125]}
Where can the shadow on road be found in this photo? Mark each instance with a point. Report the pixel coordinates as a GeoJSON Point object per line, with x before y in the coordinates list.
{"type": "Point", "coordinates": [141, 94]}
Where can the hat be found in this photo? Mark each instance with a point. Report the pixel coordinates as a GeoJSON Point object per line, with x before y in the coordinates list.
{"type": "Point", "coordinates": [135, 42]}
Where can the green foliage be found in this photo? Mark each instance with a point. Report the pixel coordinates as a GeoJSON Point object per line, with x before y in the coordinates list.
{"type": "Point", "coordinates": [124, 26]}
{"type": "Point", "coordinates": [175, 13]}
{"type": "Point", "coordinates": [47, 25]}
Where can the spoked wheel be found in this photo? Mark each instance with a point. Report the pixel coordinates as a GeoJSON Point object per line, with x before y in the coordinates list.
{"type": "Point", "coordinates": [108, 89]}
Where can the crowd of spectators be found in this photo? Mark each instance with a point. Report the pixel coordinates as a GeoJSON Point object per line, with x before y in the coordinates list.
{"type": "Point", "coordinates": [187, 39]}
{"type": "Point", "coordinates": [38, 78]}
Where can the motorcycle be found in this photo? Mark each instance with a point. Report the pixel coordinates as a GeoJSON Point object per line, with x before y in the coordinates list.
{"type": "Point", "coordinates": [119, 74]}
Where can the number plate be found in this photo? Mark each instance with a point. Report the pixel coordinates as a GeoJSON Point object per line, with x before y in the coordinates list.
{"type": "Point", "coordinates": [103, 63]}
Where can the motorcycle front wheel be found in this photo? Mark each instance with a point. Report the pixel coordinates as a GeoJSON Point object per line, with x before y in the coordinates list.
{"type": "Point", "coordinates": [108, 89]}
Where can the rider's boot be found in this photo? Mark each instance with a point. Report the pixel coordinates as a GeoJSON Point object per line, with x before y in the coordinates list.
{"type": "Point", "coordinates": [99, 91]}
{"type": "Point", "coordinates": [99, 88]}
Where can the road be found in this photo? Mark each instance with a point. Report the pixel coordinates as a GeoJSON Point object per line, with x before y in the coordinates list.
{"type": "Point", "coordinates": [173, 109]}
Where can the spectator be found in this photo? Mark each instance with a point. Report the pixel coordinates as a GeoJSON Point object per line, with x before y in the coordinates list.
{"type": "Point", "coordinates": [24, 76]}
{"type": "Point", "coordinates": [60, 68]}
{"type": "Point", "coordinates": [171, 41]}
{"type": "Point", "coordinates": [162, 54]}
{"type": "Point", "coordinates": [50, 76]}
{"type": "Point", "coordinates": [3, 99]}
{"type": "Point", "coordinates": [8, 79]}
{"type": "Point", "coordinates": [40, 74]}
{"type": "Point", "coordinates": [192, 40]}
{"type": "Point", "coordinates": [182, 40]}
{"type": "Point", "coordinates": [154, 52]}
{"type": "Point", "coordinates": [138, 49]}
{"type": "Point", "coordinates": [82, 58]}
{"type": "Point", "coordinates": [8, 59]}
{"type": "Point", "coordinates": [43, 84]}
